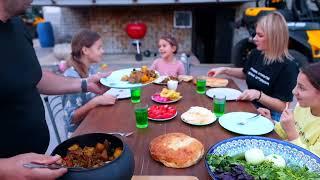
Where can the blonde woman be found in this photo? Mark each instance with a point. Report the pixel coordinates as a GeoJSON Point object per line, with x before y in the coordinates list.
{"type": "Point", "coordinates": [269, 71]}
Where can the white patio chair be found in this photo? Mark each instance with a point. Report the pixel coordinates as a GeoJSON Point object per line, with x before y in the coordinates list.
{"type": "Point", "coordinates": [55, 111]}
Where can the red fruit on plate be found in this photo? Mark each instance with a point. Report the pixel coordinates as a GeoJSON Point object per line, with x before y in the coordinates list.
{"type": "Point", "coordinates": [151, 114]}
{"type": "Point", "coordinates": [161, 112]}
{"type": "Point", "coordinates": [166, 115]}
{"type": "Point", "coordinates": [158, 116]}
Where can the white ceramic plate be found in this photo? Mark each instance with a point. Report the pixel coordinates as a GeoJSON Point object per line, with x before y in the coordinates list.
{"type": "Point", "coordinates": [119, 93]}
{"type": "Point", "coordinates": [231, 94]}
{"type": "Point", "coordinates": [114, 80]}
{"type": "Point", "coordinates": [166, 102]}
{"type": "Point", "coordinates": [198, 124]}
{"type": "Point", "coordinates": [165, 119]}
{"type": "Point", "coordinates": [254, 126]}
{"type": "Point", "coordinates": [160, 79]}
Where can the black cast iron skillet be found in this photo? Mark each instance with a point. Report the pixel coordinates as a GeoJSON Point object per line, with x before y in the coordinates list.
{"type": "Point", "coordinates": [120, 168]}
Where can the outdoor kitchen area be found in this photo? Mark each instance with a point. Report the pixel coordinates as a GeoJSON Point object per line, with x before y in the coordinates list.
{"type": "Point", "coordinates": [197, 25]}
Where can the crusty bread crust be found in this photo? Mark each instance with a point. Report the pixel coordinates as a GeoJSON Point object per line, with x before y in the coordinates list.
{"type": "Point", "coordinates": [185, 78]}
{"type": "Point", "coordinates": [176, 150]}
{"type": "Point", "coordinates": [217, 82]}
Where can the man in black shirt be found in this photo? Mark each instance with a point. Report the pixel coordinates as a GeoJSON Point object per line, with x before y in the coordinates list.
{"type": "Point", "coordinates": [23, 127]}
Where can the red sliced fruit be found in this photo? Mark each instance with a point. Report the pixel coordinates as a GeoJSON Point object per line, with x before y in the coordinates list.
{"type": "Point", "coordinates": [161, 111]}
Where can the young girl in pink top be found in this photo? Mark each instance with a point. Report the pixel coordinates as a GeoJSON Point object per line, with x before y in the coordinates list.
{"type": "Point", "coordinates": [168, 64]}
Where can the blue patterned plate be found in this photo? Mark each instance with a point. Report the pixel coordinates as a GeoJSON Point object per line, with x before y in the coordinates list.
{"type": "Point", "coordinates": [294, 155]}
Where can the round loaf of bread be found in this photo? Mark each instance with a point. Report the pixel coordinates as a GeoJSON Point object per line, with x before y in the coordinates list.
{"type": "Point", "coordinates": [176, 150]}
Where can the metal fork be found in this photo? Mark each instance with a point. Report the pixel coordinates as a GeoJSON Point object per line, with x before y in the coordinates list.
{"type": "Point", "coordinates": [122, 134]}
{"type": "Point", "coordinates": [243, 122]}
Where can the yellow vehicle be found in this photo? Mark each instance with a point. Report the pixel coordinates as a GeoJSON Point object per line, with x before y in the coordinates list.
{"type": "Point", "coordinates": [303, 24]}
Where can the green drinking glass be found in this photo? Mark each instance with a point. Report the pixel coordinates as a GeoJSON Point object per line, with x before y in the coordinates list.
{"type": "Point", "coordinates": [219, 104]}
{"type": "Point", "coordinates": [135, 95]}
{"type": "Point", "coordinates": [201, 85]}
{"type": "Point", "coordinates": [141, 113]}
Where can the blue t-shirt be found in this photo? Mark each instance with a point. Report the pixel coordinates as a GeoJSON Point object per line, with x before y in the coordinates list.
{"type": "Point", "coordinates": [72, 102]}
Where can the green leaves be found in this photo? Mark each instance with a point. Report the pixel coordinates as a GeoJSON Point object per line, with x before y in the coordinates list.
{"type": "Point", "coordinates": [265, 170]}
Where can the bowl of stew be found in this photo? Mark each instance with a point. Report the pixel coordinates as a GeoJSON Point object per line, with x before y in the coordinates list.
{"type": "Point", "coordinates": [96, 156]}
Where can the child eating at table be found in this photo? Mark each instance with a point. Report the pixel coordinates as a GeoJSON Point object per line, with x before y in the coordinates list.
{"type": "Point", "coordinates": [86, 50]}
{"type": "Point", "coordinates": [168, 65]}
{"type": "Point", "coordinates": [302, 126]}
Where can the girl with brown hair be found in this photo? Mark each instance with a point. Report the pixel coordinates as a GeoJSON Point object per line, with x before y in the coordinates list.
{"type": "Point", "coordinates": [302, 126]}
{"type": "Point", "coordinates": [168, 65]}
{"type": "Point", "coordinates": [86, 50]}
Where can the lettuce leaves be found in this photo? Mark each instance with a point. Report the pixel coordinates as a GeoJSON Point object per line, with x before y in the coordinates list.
{"type": "Point", "coordinates": [265, 170]}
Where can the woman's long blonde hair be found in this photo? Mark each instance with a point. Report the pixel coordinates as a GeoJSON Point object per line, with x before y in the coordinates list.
{"type": "Point", "coordinates": [84, 38]}
{"type": "Point", "coordinates": [276, 31]}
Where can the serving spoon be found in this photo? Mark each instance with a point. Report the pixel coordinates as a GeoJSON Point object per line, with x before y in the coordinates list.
{"type": "Point", "coordinates": [32, 165]}
{"type": "Point", "coordinates": [121, 133]}
{"type": "Point", "coordinates": [53, 166]}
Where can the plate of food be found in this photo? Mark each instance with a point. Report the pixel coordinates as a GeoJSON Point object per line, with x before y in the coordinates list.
{"type": "Point", "coordinates": [231, 94]}
{"type": "Point", "coordinates": [253, 157]}
{"type": "Point", "coordinates": [130, 78]}
{"type": "Point", "coordinates": [163, 80]}
{"type": "Point", "coordinates": [162, 112]}
{"type": "Point", "coordinates": [166, 96]}
{"type": "Point", "coordinates": [246, 123]}
{"type": "Point", "coordinates": [198, 116]}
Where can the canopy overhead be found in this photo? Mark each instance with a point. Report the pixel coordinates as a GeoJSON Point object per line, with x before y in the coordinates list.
{"type": "Point", "coordinates": [125, 2]}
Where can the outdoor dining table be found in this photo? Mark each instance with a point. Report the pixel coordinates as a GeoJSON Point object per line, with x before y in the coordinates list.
{"type": "Point", "coordinates": [121, 118]}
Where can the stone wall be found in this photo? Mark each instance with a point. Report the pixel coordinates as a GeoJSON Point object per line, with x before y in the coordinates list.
{"type": "Point", "coordinates": [110, 22]}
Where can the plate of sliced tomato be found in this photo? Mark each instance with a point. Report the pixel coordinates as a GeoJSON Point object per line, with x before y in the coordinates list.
{"type": "Point", "coordinates": [162, 112]}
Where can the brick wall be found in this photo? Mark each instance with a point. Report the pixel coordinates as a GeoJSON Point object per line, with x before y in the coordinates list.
{"type": "Point", "coordinates": [110, 22]}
